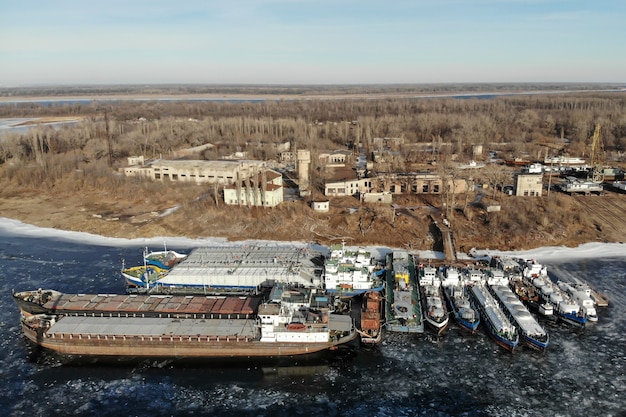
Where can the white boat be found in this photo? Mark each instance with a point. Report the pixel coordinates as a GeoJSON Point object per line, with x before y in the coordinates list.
{"type": "Point", "coordinates": [433, 305]}
{"type": "Point", "coordinates": [533, 269]}
{"type": "Point", "coordinates": [494, 276]}
{"type": "Point", "coordinates": [351, 271]}
{"type": "Point", "coordinates": [564, 306]}
{"type": "Point", "coordinates": [473, 275]}
{"type": "Point", "coordinates": [581, 293]}
{"type": "Point", "coordinates": [455, 291]}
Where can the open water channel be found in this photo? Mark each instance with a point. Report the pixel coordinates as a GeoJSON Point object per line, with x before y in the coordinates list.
{"type": "Point", "coordinates": [583, 373]}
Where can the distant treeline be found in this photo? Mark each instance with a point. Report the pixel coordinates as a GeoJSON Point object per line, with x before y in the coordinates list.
{"type": "Point", "coordinates": [295, 90]}
{"type": "Point", "coordinates": [536, 125]}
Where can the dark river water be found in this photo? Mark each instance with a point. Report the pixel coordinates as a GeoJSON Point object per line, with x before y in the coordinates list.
{"type": "Point", "coordinates": [583, 373]}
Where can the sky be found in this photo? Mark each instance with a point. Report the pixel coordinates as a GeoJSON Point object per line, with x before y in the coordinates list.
{"type": "Point", "coordinates": [311, 41]}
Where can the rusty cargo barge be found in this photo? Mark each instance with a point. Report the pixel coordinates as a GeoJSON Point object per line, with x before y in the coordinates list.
{"type": "Point", "coordinates": [136, 305]}
{"type": "Point", "coordinates": [291, 322]}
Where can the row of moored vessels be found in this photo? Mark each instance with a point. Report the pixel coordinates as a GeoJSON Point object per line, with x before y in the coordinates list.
{"type": "Point", "coordinates": [292, 321]}
{"type": "Point", "coordinates": [499, 295]}
{"type": "Point", "coordinates": [274, 301]}
{"type": "Point", "coordinates": [215, 302]}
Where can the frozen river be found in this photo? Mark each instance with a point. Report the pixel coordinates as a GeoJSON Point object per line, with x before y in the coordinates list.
{"type": "Point", "coordinates": [583, 373]}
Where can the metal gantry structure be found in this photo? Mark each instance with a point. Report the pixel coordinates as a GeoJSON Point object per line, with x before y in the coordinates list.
{"type": "Point", "coordinates": [596, 155]}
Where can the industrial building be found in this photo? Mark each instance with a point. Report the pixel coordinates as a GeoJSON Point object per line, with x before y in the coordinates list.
{"type": "Point", "coordinates": [264, 189]}
{"type": "Point", "coordinates": [529, 184]}
{"type": "Point", "coordinates": [199, 171]}
{"type": "Point", "coordinates": [337, 158]}
{"type": "Point", "coordinates": [394, 183]}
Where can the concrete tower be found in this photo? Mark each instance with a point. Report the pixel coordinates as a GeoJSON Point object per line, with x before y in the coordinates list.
{"type": "Point", "coordinates": [304, 162]}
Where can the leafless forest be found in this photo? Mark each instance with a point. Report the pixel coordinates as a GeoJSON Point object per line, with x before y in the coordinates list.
{"type": "Point", "coordinates": [80, 156]}
{"type": "Point", "coordinates": [535, 125]}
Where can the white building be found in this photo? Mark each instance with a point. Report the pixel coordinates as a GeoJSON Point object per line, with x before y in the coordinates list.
{"type": "Point", "coordinates": [414, 183]}
{"type": "Point", "coordinates": [348, 187]}
{"type": "Point", "coordinates": [321, 206]}
{"type": "Point", "coordinates": [265, 189]}
{"type": "Point", "coordinates": [335, 158]}
{"type": "Point", "coordinates": [529, 185]}
{"type": "Point", "coordinates": [199, 171]}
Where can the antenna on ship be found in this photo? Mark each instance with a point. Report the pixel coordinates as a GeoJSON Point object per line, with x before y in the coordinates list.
{"type": "Point", "coordinates": [145, 271]}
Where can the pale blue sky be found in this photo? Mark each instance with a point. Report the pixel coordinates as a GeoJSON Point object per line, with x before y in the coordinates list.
{"type": "Point", "coordinates": [311, 42]}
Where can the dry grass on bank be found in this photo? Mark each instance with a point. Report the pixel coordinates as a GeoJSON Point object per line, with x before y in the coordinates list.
{"type": "Point", "coordinates": [117, 206]}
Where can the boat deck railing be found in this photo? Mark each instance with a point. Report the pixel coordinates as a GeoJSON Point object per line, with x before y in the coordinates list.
{"type": "Point", "coordinates": [210, 316]}
{"type": "Point", "coordinates": [144, 338]}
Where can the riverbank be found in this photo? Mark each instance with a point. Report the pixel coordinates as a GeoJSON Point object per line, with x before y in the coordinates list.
{"type": "Point", "coordinates": [522, 224]}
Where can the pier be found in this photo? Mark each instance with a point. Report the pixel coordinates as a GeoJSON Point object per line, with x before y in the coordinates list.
{"type": "Point", "coordinates": [447, 239]}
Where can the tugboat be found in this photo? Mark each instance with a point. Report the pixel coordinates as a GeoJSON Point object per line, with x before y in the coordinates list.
{"type": "Point", "coordinates": [434, 308]}
{"type": "Point", "coordinates": [371, 318]}
{"type": "Point", "coordinates": [527, 294]}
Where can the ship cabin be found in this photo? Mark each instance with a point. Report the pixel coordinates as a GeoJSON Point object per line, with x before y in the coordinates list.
{"type": "Point", "coordinates": [429, 276]}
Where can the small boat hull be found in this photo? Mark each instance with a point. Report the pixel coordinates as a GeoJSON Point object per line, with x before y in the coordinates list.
{"type": "Point", "coordinates": [142, 276]}
{"type": "Point", "coordinates": [469, 326]}
{"type": "Point", "coordinates": [536, 344]}
{"type": "Point", "coordinates": [573, 320]}
{"type": "Point", "coordinates": [437, 326]}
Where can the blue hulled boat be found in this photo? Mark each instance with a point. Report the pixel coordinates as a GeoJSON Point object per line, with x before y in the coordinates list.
{"type": "Point", "coordinates": [499, 327]}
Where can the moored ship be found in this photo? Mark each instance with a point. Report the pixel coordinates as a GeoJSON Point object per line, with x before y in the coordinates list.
{"type": "Point", "coordinates": [371, 318]}
{"type": "Point", "coordinates": [564, 307]}
{"type": "Point", "coordinates": [165, 259]}
{"type": "Point", "coordinates": [455, 292]}
{"type": "Point", "coordinates": [142, 276]}
{"type": "Point", "coordinates": [403, 311]}
{"type": "Point", "coordinates": [287, 324]}
{"type": "Point", "coordinates": [498, 326]}
{"type": "Point", "coordinates": [349, 272]}
{"type": "Point", "coordinates": [567, 309]}
{"type": "Point", "coordinates": [528, 295]}
{"type": "Point", "coordinates": [581, 293]}
{"type": "Point", "coordinates": [433, 305]}
{"type": "Point", "coordinates": [240, 269]}
{"type": "Point", "coordinates": [532, 333]}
